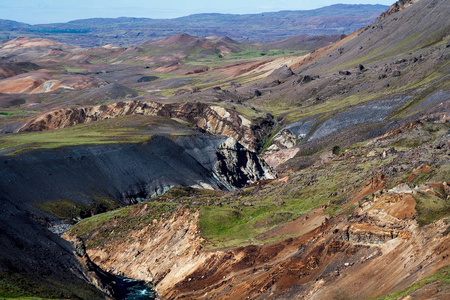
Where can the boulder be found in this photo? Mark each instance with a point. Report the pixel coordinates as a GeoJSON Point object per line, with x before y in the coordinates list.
{"type": "Point", "coordinates": [372, 153]}
{"type": "Point", "coordinates": [282, 73]}
{"type": "Point", "coordinates": [148, 78]}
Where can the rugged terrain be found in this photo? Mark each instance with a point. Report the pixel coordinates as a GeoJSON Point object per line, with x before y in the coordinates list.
{"type": "Point", "coordinates": [216, 169]}
{"type": "Point", "coordinates": [378, 215]}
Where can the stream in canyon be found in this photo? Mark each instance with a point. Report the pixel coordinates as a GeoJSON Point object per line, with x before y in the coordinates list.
{"type": "Point", "coordinates": [130, 289]}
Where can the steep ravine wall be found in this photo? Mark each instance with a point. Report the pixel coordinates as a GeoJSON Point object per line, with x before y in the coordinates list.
{"type": "Point", "coordinates": [213, 119]}
{"type": "Point", "coordinates": [124, 172]}
{"type": "Point", "coordinates": [321, 262]}
{"type": "Point", "coordinates": [87, 174]}
{"type": "Point", "coordinates": [163, 254]}
{"type": "Point", "coordinates": [39, 258]}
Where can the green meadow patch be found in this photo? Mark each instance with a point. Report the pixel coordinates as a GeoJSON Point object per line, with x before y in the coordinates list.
{"type": "Point", "coordinates": [126, 129]}
{"type": "Point", "coordinates": [442, 277]}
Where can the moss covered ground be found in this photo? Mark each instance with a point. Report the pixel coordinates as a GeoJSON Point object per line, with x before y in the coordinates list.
{"type": "Point", "coordinates": [126, 129]}
{"type": "Point", "coordinates": [118, 223]}
{"type": "Point", "coordinates": [441, 277]}
{"type": "Point", "coordinates": [23, 286]}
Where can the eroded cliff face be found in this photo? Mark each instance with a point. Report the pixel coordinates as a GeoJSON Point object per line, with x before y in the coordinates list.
{"type": "Point", "coordinates": [74, 182]}
{"type": "Point", "coordinates": [96, 276]}
{"type": "Point", "coordinates": [85, 174]}
{"type": "Point", "coordinates": [210, 118]}
{"type": "Point", "coordinates": [380, 238]}
{"type": "Point", "coordinates": [163, 253]}
{"type": "Point", "coordinates": [328, 257]}
{"type": "Point", "coordinates": [240, 167]}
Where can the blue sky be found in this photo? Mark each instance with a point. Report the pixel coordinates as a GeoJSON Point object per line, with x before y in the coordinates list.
{"type": "Point", "coordinates": [51, 11]}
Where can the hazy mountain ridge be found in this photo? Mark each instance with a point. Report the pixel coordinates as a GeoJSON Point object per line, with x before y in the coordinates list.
{"type": "Point", "coordinates": [263, 27]}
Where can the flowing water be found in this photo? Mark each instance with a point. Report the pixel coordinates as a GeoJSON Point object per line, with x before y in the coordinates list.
{"type": "Point", "coordinates": [130, 289]}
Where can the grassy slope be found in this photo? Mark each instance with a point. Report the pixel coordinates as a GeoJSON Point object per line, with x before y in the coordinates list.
{"type": "Point", "coordinates": [13, 286]}
{"type": "Point", "coordinates": [126, 129]}
{"type": "Point", "coordinates": [378, 48]}
{"type": "Point", "coordinates": [419, 85]}
{"type": "Point", "coordinates": [116, 224]}
{"type": "Point", "coordinates": [442, 277]}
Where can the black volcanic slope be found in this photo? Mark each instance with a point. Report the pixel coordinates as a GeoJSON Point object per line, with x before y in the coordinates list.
{"type": "Point", "coordinates": [36, 262]}
{"type": "Point", "coordinates": [108, 174]}
{"type": "Point", "coordinates": [121, 172]}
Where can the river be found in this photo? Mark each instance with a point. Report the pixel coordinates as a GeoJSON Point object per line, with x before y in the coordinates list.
{"type": "Point", "coordinates": [130, 289]}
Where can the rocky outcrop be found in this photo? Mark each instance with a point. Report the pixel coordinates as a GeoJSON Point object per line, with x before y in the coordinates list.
{"type": "Point", "coordinates": [397, 6]}
{"type": "Point", "coordinates": [282, 73]}
{"type": "Point", "coordinates": [367, 234]}
{"type": "Point", "coordinates": [275, 159]}
{"type": "Point", "coordinates": [285, 139]}
{"type": "Point", "coordinates": [210, 118]}
{"type": "Point", "coordinates": [96, 276]}
{"type": "Point", "coordinates": [238, 166]}
{"type": "Point", "coordinates": [125, 172]}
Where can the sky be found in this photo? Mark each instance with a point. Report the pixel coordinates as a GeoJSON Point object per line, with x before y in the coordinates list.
{"type": "Point", "coordinates": [54, 11]}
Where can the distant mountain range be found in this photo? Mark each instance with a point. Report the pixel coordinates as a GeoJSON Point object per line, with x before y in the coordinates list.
{"type": "Point", "coordinates": [261, 28]}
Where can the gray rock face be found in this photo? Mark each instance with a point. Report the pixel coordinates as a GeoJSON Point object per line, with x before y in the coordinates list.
{"type": "Point", "coordinates": [125, 172]}
{"type": "Point", "coordinates": [238, 166]}
{"type": "Point", "coordinates": [282, 73]}
{"type": "Point", "coordinates": [372, 112]}
{"type": "Point", "coordinates": [286, 138]}
{"type": "Point", "coordinates": [291, 135]}
{"type": "Point", "coordinates": [122, 172]}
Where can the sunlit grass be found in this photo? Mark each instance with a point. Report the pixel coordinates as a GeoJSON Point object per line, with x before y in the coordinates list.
{"type": "Point", "coordinates": [126, 129]}
{"type": "Point", "coordinates": [442, 277]}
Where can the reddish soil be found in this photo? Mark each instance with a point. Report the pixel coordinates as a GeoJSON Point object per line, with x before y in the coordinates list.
{"type": "Point", "coordinates": [371, 186]}
{"type": "Point", "coordinates": [327, 259]}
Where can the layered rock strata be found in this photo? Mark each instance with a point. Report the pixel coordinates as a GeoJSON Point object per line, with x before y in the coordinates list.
{"type": "Point", "coordinates": [210, 118]}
